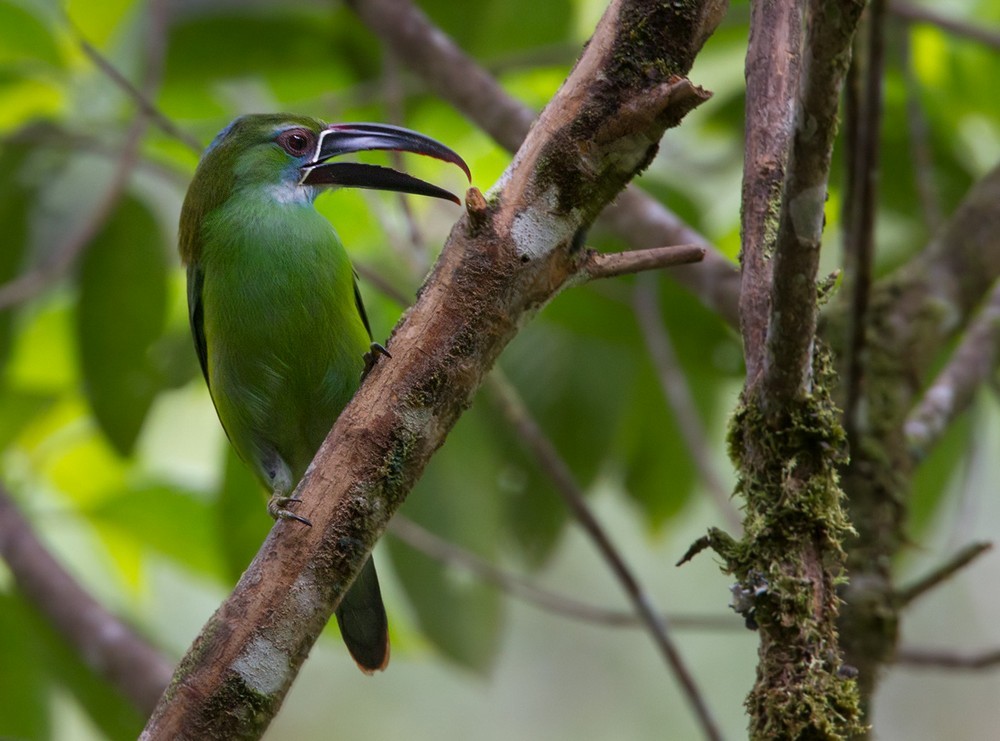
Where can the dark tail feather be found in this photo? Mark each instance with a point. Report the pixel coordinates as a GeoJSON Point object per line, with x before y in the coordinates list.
{"type": "Point", "coordinates": [362, 621]}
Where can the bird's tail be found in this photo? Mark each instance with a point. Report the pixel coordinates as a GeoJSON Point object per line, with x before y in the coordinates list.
{"type": "Point", "coordinates": [362, 621]}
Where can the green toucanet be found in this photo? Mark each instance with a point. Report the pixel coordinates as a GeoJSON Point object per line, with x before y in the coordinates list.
{"type": "Point", "coordinates": [277, 319]}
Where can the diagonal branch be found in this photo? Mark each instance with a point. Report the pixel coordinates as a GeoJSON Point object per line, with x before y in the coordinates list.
{"type": "Point", "coordinates": [110, 647]}
{"type": "Point", "coordinates": [504, 259]}
{"type": "Point", "coordinates": [972, 364]}
{"type": "Point", "coordinates": [541, 447]}
{"type": "Point", "coordinates": [942, 573]}
{"type": "Point", "coordinates": [454, 76]}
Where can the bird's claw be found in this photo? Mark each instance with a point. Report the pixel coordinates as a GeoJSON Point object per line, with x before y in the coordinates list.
{"type": "Point", "coordinates": [371, 357]}
{"type": "Point", "coordinates": [277, 507]}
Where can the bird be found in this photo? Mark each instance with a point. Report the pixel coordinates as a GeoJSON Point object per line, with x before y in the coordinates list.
{"type": "Point", "coordinates": [278, 324]}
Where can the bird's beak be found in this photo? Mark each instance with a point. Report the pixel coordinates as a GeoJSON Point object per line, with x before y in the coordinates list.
{"type": "Point", "coordinates": [362, 137]}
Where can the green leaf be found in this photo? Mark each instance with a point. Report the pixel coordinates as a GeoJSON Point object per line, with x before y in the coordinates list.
{"type": "Point", "coordinates": [120, 316]}
{"type": "Point", "coordinates": [175, 523]}
{"type": "Point", "coordinates": [572, 367]}
{"type": "Point", "coordinates": [16, 202]}
{"type": "Point", "coordinates": [217, 57]}
{"type": "Point", "coordinates": [658, 473]}
{"type": "Point", "coordinates": [23, 678]}
{"type": "Point", "coordinates": [496, 27]}
{"type": "Point", "coordinates": [24, 37]}
{"type": "Point", "coordinates": [457, 499]}
{"type": "Point", "coordinates": [19, 408]}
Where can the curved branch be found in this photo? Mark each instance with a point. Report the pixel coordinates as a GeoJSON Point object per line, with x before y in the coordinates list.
{"type": "Point", "coordinates": [110, 647]}
{"type": "Point", "coordinates": [503, 261]}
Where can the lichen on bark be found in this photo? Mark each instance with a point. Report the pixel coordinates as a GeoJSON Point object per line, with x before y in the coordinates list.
{"type": "Point", "coordinates": [790, 560]}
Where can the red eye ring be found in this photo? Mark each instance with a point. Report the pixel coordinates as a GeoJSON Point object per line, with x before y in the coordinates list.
{"type": "Point", "coordinates": [296, 142]}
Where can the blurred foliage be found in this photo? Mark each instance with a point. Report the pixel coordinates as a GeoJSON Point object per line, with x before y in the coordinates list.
{"type": "Point", "coordinates": [104, 420]}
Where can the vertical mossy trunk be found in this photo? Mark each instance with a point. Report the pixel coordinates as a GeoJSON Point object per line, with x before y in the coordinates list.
{"type": "Point", "coordinates": [790, 562]}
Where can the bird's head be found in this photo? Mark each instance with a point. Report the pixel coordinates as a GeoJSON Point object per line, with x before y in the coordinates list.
{"type": "Point", "coordinates": [288, 156]}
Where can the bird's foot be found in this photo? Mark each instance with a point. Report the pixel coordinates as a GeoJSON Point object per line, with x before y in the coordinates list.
{"type": "Point", "coordinates": [371, 357]}
{"type": "Point", "coordinates": [277, 507]}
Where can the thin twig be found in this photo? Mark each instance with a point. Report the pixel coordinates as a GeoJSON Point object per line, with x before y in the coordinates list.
{"type": "Point", "coordinates": [677, 391]}
{"type": "Point", "coordinates": [517, 586]}
{"type": "Point", "coordinates": [921, 14]}
{"type": "Point", "coordinates": [57, 139]}
{"type": "Point", "coordinates": [141, 96]}
{"type": "Point", "coordinates": [972, 363]}
{"type": "Point", "coordinates": [942, 573]}
{"type": "Point", "coordinates": [862, 185]}
{"type": "Point", "coordinates": [927, 658]}
{"type": "Point", "coordinates": [552, 463]}
{"type": "Point", "coordinates": [609, 265]}
{"type": "Point", "coordinates": [106, 644]}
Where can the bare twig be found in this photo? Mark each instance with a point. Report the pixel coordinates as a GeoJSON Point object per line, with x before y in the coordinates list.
{"type": "Point", "coordinates": [106, 644]}
{"type": "Point", "coordinates": [141, 96]}
{"type": "Point", "coordinates": [646, 304]}
{"type": "Point", "coordinates": [517, 586]}
{"type": "Point", "coordinates": [555, 467]}
{"type": "Point", "coordinates": [609, 265]}
{"type": "Point", "coordinates": [457, 78]}
{"type": "Point", "coordinates": [942, 573]}
{"type": "Point", "coordinates": [922, 14]}
{"type": "Point", "coordinates": [927, 658]}
{"type": "Point", "coordinates": [972, 363]}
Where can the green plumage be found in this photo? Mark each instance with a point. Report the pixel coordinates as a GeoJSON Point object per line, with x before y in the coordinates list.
{"type": "Point", "coordinates": [278, 324]}
{"type": "Point", "coordinates": [276, 316]}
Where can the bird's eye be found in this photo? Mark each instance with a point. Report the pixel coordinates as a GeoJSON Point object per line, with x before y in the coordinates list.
{"type": "Point", "coordinates": [295, 141]}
